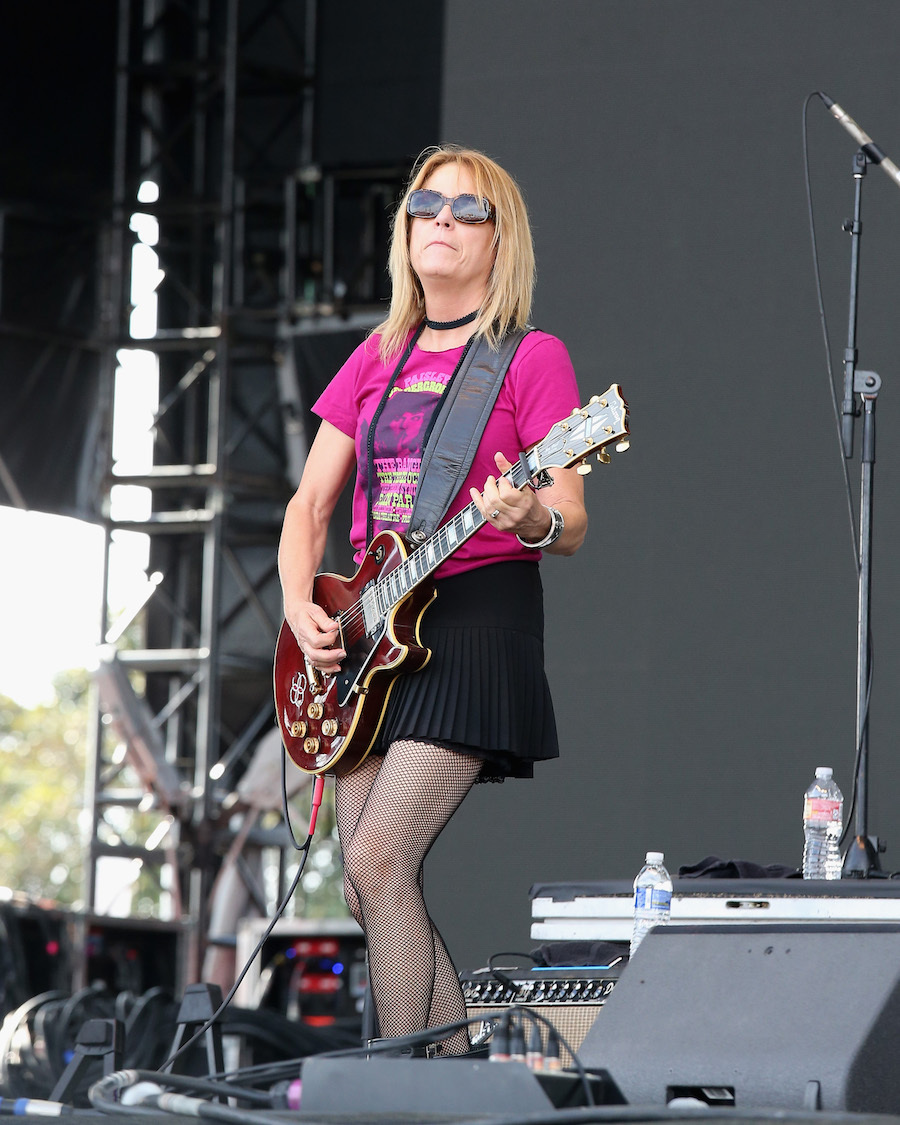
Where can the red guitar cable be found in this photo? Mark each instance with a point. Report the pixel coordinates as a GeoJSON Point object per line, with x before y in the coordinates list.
{"type": "Point", "coordinates": [318, 789]}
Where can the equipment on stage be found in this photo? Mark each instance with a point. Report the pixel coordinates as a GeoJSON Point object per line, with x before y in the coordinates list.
{"type": "Point", "coordinates": [459, 1089]}
{"type": "Point", "coordinates": [45, 949]}
{"type": "Point", "coordinates": [794, 1017]}
{"type": "Point", "coordinates": [860, 397]}
{"type": "Point", "coordinates": [604, 911]}
{"type": "Point", "coordinates": [311, 970]}
{"type": "Point", "coordinates": [873, 151]}
{"type": "Point", "coordinates": [568, 998]}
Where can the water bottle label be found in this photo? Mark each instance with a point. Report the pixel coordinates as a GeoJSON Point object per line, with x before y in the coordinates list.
{"type": "Point", "coordinates": [821, 808]}
{"type": "Point", "coordinates": [652, 898]}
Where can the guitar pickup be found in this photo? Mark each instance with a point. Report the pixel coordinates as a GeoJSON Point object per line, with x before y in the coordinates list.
{"type": "Point", "coordinates": [372, 616]}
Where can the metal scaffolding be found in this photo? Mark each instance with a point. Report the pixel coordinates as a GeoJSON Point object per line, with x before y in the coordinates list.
{"type": "Point", "coordinates": [260, 251]}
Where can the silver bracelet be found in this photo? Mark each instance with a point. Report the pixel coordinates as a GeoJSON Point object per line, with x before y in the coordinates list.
{"type": "Point", "coordinates": [557, 527]}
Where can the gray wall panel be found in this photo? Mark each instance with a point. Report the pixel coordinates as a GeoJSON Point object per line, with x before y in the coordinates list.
{"type": "Point", "coordinates": [702, 645]}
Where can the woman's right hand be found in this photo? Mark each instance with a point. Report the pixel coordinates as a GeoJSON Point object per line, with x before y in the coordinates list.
{"type": "Point", "coordinates": [317, 635]}
{"type": "Point", "coordinates": [329, 465]}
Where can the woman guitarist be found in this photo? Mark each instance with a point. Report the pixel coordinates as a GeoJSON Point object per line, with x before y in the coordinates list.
{"type": "Point", "coordinates": [462, 269]}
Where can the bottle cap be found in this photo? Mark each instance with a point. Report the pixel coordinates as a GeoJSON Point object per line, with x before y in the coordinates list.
{"type": "Point", "coordinates": [824, 772]}
{"type": "Point", "coordinates": [654, 858]}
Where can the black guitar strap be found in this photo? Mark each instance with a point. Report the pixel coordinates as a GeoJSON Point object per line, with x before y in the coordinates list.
{"type": "Point", "coordinates": [451, 445]}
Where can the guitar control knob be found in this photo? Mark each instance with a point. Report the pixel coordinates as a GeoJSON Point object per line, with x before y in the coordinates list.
{"type": "Point", "coordinates": [298, 728]}
{"type": "Point", "coordinates": [315, 710]}
{"type": "Point", "coordinates": [311, 746]}
{"type": "Point", "coordinates": [330, 727]}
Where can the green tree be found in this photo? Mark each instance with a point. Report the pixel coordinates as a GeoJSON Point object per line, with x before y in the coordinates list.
{"type": "Point", "coordinates": [42, 771]}
{"type": "Point", "coordinates": [43, 755]}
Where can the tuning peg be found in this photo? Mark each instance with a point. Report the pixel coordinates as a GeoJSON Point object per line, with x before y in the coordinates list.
{"type": "Point", "coordinates": [623, 445]}
{"type": "Point", "coordinates": [584, 469]}
{"type": "Point", "coordinates": [603, 457]}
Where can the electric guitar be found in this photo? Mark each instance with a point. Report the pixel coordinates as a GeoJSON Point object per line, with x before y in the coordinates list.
{"type": "Point", "coordinates": [329, 723]}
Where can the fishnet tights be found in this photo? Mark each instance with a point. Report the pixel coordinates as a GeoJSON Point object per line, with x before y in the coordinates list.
{"type": "Point", "coordinates": [390, 810]}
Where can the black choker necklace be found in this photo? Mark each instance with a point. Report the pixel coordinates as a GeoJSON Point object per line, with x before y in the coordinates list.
{"type": "Point", "coordinates": [445, 325]}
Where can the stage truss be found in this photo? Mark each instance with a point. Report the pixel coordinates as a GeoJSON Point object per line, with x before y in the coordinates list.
{"type": "Point", "coordinates": [268, 262]}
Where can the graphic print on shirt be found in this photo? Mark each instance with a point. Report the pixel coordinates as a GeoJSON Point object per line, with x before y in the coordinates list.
{"type": "Point", "coordinates": [399, 444]}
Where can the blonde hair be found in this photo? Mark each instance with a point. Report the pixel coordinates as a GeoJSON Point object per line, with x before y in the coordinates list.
{"type": "Point", "coordinates": [507, 302]}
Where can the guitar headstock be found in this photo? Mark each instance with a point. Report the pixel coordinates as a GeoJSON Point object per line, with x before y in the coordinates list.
{"type": "Point", "coordinates": [587, 430]}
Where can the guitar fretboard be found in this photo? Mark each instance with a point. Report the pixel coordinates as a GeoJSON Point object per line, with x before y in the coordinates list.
{"type": "Point", "coordinates": [586, 430]}
{"type": "Point", "coordinates": [426, 559]}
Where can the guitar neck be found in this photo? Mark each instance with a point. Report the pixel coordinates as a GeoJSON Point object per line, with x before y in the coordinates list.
{"type": "Point", "coordinates": [570, 441]}
{"type": "Point", "coordinates": [425, 560]}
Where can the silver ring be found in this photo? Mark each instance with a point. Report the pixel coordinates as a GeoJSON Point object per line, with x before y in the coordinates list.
{"type": "Point", "coordinates": [495, 513]}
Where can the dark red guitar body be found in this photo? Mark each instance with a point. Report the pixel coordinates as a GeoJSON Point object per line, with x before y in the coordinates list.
{"type": "Point", "coordinates": [330, 723]}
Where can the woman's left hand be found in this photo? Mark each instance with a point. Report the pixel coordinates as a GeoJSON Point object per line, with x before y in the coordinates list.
{"type": "Point", "coordinates": [508, 508]}
{"type": "Point", "coordinates": [522, 512]}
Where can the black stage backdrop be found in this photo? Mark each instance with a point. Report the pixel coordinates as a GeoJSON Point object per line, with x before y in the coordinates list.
{"type": "Point", "coordinates": [702, 645]}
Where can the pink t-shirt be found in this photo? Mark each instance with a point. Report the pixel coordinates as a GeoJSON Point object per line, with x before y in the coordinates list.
{"type": "Point", "coordinates": [538, 391]}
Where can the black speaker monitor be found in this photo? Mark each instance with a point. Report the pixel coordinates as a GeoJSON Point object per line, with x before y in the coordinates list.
{"type": "Point", "coordinates": [800, 1016]}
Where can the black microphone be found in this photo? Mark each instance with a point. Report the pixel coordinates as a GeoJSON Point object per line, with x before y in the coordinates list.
{"type": "Point", "coordinates": [874, 153]}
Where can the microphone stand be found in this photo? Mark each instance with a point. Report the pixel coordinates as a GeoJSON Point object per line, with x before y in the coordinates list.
{"type": "Point", "coordinates": [861, 857]}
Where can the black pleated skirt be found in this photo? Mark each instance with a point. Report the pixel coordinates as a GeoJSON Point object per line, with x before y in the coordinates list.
{"type": "Point", "coordinates": [484, 690]}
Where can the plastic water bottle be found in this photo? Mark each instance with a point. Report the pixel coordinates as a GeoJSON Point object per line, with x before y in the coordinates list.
{"type": "Point", "coordinates": [823, 822]}
{"type": "Point", "coordinates": [652, 898]}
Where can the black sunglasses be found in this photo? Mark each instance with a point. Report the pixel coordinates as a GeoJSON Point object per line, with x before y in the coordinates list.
{"type": "Point", "coordinates": [423, 203]}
